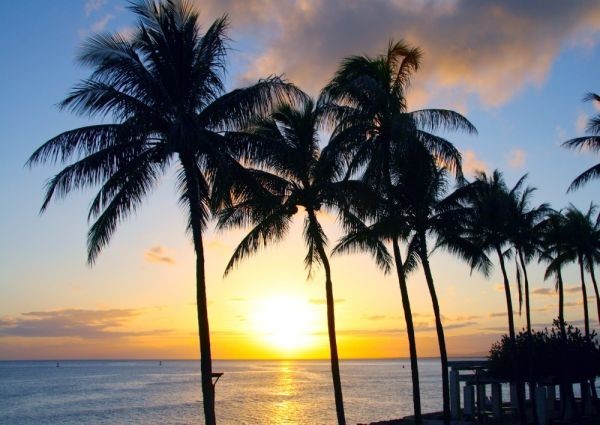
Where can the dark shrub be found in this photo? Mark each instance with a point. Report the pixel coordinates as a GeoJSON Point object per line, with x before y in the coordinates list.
{"type": "Point", "coordinates": [547, 355]}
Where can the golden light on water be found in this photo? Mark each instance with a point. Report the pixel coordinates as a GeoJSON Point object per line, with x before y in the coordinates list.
{"type": "Point", "coordinates": [284, 322]}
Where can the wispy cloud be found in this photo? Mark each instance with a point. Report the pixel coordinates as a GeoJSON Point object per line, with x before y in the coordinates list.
{"type": "Point", "coordinates": [100, 25]}
{"type": "Point", "coordinates": [472, 163]}
{"type": "Point", "coordinates": [158, 254]}
{"type": "Point", "coordinates": [91, 6]}
{"type": "Point", "coordinates": [79, 323]}
{"type": "Point", "coordinates": [322, 301]}
{"type": "Point", "coordinates": [581, 123]}
{"type": "Point", "coordinates": [572, 289]}
{"type": "Point", "coordinates": [543, 291]}
{"type": "Point", "coordinates": [516, 158]}
{"type": "Point", "coordinates": [499, 287]}
{"type": "Point", "coordinates": [377, 317]}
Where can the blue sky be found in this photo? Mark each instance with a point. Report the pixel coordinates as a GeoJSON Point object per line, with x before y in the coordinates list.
{"type": "Point", "coordinates": [518, 72]}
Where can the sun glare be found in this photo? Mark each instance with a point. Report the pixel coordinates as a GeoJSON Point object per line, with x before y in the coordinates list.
{"type": "Point", "coordinates": [286, 323]}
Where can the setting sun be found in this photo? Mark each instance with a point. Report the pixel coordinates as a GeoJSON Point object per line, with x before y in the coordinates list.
{"type": "Point", "coordinates": [284, 322]}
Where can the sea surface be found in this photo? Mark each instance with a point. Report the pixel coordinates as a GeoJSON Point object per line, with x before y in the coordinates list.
{"type": "Point", "coordinates": [249, 392]}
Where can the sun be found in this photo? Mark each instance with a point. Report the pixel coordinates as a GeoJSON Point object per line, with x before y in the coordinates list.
{"type": "Point", "coordinates": [285, 322]}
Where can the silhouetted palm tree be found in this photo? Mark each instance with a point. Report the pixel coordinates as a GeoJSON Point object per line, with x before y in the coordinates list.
{"type": "Point", "coordinates": [488, 224]}
{"type": "Point", "coordinates": [164, 89]}
{"type": "Point", "coordinates": [581, 244]}
{"type": "Point", "coordinates": [525, 237]}
{"type": "Point", "coordinates": [366, 101]}
{"type": "Point", "coordinates": [591, 142]}
{"type": "Point", "coordinates": [427, 211]}
{"type": "Point", "coordinates": [286, 146]}
{"type": "Point", "coordinates": [552, 230]}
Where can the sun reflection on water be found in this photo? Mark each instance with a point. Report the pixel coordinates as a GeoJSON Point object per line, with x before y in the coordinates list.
{"type": "Point", "coordinates": [286, 410]}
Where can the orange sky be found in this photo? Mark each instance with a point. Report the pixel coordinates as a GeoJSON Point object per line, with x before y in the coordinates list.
{"type": "Point", "coordinates": [518, 70]}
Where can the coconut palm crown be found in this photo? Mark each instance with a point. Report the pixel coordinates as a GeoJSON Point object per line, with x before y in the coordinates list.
{"type": "Point", "coordinates": [590, 143]}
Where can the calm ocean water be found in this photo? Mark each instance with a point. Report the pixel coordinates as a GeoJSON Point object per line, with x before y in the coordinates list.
{"type": "Point", "coordinates": [250, 392]}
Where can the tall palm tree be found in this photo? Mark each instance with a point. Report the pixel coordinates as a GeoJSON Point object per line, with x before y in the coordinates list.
{"type": "Point", "coordinates": [552, 230]}
{"type": "Point", "coordinates": [525, 237]}
{"type": "Point", "coordinates": [488, 226]}
{"type": "Point", "coordinates": [286, 147]}
{"type": "Point", "coordinates": [428, 212]}
{"type": "Point", "coordinates": [581, 245]}
{"type": "Point", "coordinates": [366, 102]}
{"type": "Point", "coordinates": [164, 90]}
{"type": "Point", "coordinates": [385, 224]}
{"type": "Point", "coordinates": [591, 142]}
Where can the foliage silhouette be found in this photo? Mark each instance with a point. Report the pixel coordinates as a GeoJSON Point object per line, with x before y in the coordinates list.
{"type": "Point", "coordinates": [366, 102]}
{"type": "Point", "coordinates": [163, 88]}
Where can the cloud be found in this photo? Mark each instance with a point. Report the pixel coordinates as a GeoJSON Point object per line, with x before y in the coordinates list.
{"type": "Point", "coordinates": [157, 254]}
{"type": "Point", "coordinates": [377, 317]}
{"type": "Point", "coordinates": [100, 25]}
{"type": "Point", "coordinates": [516, 158]}
{"type": "Point", "coordinates": [471, 163]}
{"type": "Point", "coordinates": [561, 134]}
{"type": "Point", "coordinates": [571, 289]}
{"type": "Point", "coordinates": [79, 323]}
{"type": "Point", "coordinates": [238, 299]}
{"type": "Point", "coordinates": [322, 301]}
{"type": "Point", "coordinates": [488, 49]}
{"type": "Point", "coordinates": [498, 314]}
{"type": "Point", "coordinates": [543, 291]}
{"type": "Point", "coordinates": [499, 287]}
{"type": "Point", "coordinates": [581, 122]}
{"type": "Point", "coordinates": [91, 6]}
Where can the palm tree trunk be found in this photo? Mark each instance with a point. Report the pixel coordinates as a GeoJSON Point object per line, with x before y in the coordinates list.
{"type": "Point", "coordinates": [527, 307]}
{"type": "Point", "coordinates": [532, 383]}
{"type": "Point", "coordinates": [208, 390]}
{"type": "Point", "coordinates": [439, 327]}
{"type": "Point", "coordinates": [511, 323]}
{"type": "Point", "coordinates": [595, 289]}
{"type": "Point", "coordinates": [335, 363]}
{"type": "Point", "coordinates": [586, 315]}
{"type": "Point", "coordinates": [561, 303]}
{"type": "Point", "coordinates": [410, 330]}
{"type": "Point", "coordinates": [511, 330]}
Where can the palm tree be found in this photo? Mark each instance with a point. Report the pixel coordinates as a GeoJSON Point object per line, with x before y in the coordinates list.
{"type": "Point", "coordinates": [591, 142]}
{"type": "Point", "coordinates": [164, 90]}
{"type": "Point", "coordinates": [386, 225]}
{"type": "Point", "coordinates": [552, 230]}
{"type": "Point", "coordinates": [525, 237]}
{"type": "Point", "coordinates": [582, 245]}
{"type": "Point", "coordinates": [286, 147]}
{"type": "Point", "coordinates": [488, 226]}
{"type": "Point", "coordinates": [366, 102]}
{"type": "Point", "coordinates": [421, 189]}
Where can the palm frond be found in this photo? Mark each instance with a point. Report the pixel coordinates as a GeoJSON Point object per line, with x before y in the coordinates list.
{"type": "Point", "coordinates": [585, 177]}
{"type": "Point", "coordinates": [271, 229]}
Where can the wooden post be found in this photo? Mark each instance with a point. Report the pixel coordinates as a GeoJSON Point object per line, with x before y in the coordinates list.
{"type": "Point", "coordinates": [454, 394]}
{"type": "Point", "coordinates": [586, 398]}
{"type": "Point", "coordinates": [497, 401]}
{"type": "Point", "coordinates": [514, 402]}
{"type": "Point", "coordinates": [550, 400]}
{"type": "Point", "coordinates": [480, 398]}
{"type": "Point", "coordinates": [469, 396]}
{"type": "Point", "coordinates": [539, 397]}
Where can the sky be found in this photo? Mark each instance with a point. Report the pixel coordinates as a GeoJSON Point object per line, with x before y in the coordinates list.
{"type": "Point", "coordinates": [517, 70]}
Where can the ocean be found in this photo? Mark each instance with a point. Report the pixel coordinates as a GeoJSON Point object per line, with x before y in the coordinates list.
{"type": "Point", "coordinates": [250, 392]}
